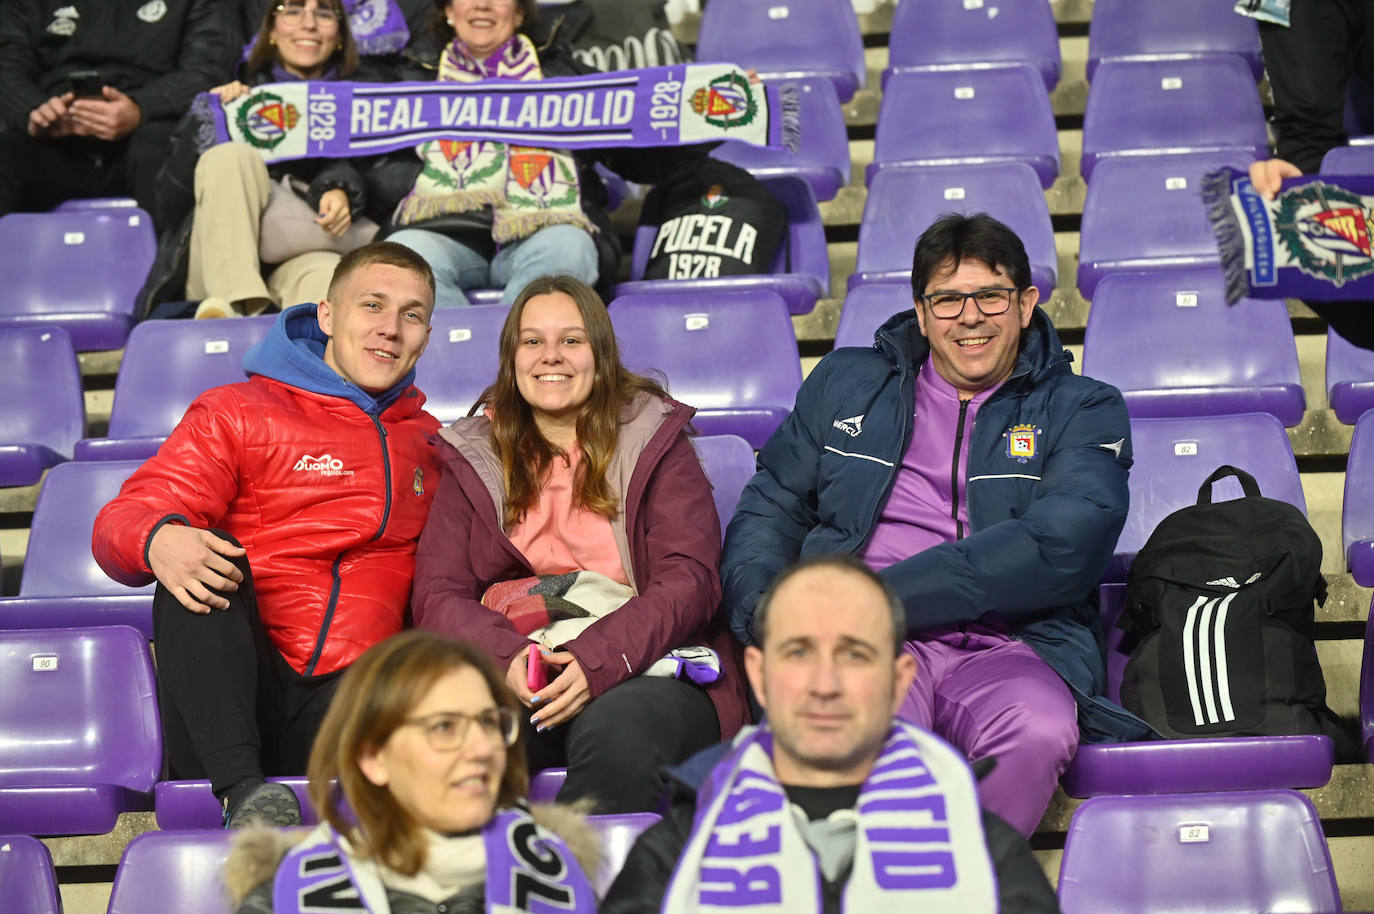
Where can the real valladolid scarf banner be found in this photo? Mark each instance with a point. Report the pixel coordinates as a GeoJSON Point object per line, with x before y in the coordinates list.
{"type": "Point", "coordinates": [1312, 241]}
{"type": "Point", "coordinates": [660, 106]}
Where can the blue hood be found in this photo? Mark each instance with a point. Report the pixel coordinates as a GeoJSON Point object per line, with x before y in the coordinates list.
{"type": "Point", "coordinates": [293, 353]}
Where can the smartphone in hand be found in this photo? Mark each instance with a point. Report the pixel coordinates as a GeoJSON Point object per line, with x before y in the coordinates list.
{"type": "Point", "coordinates": [86, 83]}
{"type": "Point", "coordinates": [536, 671]}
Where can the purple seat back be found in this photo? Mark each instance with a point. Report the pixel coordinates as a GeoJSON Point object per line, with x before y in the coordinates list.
{"type": "Point", "coordinates": [43, 413]}
{"type": "Point", "coordinates": [1125, 30]}
{"type": "Point", "coordinates": [183, 805]}
{"type": "Point", "coordinates": [461, 360]}
{"type": "Point", "coordinates": [974, 34]}
{"type": "Point", "coordinates": [866, 308]}
{"type": "Point", "coordinates": [1349, 160]}
{"type": "Point", "coordinates": [822, 159]}
{"type": "Point", "coordinates": [180, 871]}
{"type": "Point", "coordinates": [1220, 852]}
{"type": "Point", "coordinates": [618, 834]}
{"type": "Point", "coordinates": [28, 884]}
{"type": "Point", "coordinates": [78, 269]}
{"type": "Point", "coordinates": [733, 356]}
{"type": "Point", "coordinates": [166, 365]}
{"type": "Point", "coordinates": [786, 39]}
{"type": "Point", "coordinates": [545, 785]}
{"type": "Point", "coordinates": [800, 271]}
{"type": "Point", "coordinates": [729, 464]}
{"type": "Point", "coordinates": [1173, 456]}
{"type": "Point", "coordinates": [903, 202]}
{"type": "Point", "coordinates": [1357, 506]}
{"type": "Point", "coordinates": [81, 203]}
{"type": "Point", "coordinates": [1200, 104]}
{"type": "Point", "coordinates": [1173, 347]}
{"type": "Point", "coordinates": [1349, 377]}
{"type": "Point", "coordinates": [1145, 214]}
{"type": "Point", "coordinates": [88, 721]}
{"type": "Point", "coordinates": [927, 118]}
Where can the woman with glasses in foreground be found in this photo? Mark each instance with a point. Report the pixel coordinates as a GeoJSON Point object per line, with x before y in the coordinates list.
{"type": "Point", "coordinates": [418, 773]}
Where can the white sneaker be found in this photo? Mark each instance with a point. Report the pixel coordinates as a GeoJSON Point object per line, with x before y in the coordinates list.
{"type": "Point", "coordinates": [215, 308]}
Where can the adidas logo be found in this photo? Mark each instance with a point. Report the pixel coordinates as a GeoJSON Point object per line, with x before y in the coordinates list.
{"type": "Point", "coordinates": [1231, 582]}
{"type": "Point", "coordinates": [851, 426]}
{"type": "Point", "coordinates": [325, 465]}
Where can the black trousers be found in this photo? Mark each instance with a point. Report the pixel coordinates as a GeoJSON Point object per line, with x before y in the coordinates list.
{"type": "Point", "coordinates": [231, 706]}
{"type": "Point", "coordinates": [37, 175]}
{"type": "Point", "coordinates": [615, 748]}
{"type": "Point", "coordinates": [1309, 64]}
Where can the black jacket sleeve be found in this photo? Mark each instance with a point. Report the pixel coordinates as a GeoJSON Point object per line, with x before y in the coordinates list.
{"type": "Point", "coordinates": [208, 51]}
{"type": "Point", "coordinates": [1021, 884]}
{"type": "Point", "coordinates": [19, 64]}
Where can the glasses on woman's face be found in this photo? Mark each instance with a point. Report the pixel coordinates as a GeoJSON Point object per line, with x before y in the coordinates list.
{"type": "Point", "coordinates": [448, 730]}
{"type": "Point", "coordinates": [295, 12]}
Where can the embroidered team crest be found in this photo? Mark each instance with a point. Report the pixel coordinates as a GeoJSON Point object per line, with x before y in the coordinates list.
{"type": "Point", "coordinates": [152, 12]}
{"type": "Point", "coordinates": [265, 120]}
{"type": "Point", "coordinates": [417, 483]}
{"type": "Point", "coordinates": [1326, 230]}
{"type": "Point", "coordinates": [1021, 442]}
{"type": "Point", "coordinates": [64, 22]}
{"type": "Point", "coordinates": [726, 102]}
{"type": "Point", "coordinates": [715, 196]}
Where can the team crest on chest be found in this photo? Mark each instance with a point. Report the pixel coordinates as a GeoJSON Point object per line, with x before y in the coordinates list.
{"type": "Point", "coordinates": [417, 484]}
{"type": "Point", "coordinates": [1021, 441]}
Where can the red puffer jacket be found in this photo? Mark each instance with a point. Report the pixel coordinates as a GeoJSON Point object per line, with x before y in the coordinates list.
{"type": "Point", "coordinates": [328, 502]}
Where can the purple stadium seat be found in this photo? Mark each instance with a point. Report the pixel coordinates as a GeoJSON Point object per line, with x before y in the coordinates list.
{"type": "Point", "coordinates": [733, 356]}
{"type": "Point", "coordinates": [1349, 160]}
{"type": "Point", "coordinates": [82, 203]}
{"type": "Point", "coordinates": [618, 834]}
{"type": "Point", "coordinates": [928, 118]}
{"type": "Point", "coordinates": [786, 39]}
{"type": "Point", "coordinates": [1145, 214]}
{"type": "Point", "coordinates": [62, 585]}
{"type": "Point", "coordinates": [1357, 507]}
{"type": "Point", "coordinates": [822, 159]}
{"type": "Point", "coordinates": [461, 359]}
{"type": "Point", "coordinates": [974, 34]}
{"type": "Point", "coordinates": [1171, 29]}
{"type": "Point", "coordinates": [484, 296]}
{"type": "Point", "coordinates": [1367, 689]}
{"type": "Point", "coordinates": [79, 270]}
{"type": "Point", "coordinates": [801, 270]}
{"type": "Point", "coordinates": [166, 365]}
{"type": "Point", "coordinates": [1173, 457]}
{"type": "Point", "coordinates": [183, 805]}
{"type": "Point", "coordinates": [1223, 853]}
{"type": "Point", "coordinates": [867, 307]}
{"type": "Point", "coordinates": [84, 744]}
{"type": "Point", "coordinates": [1201, 104]}
{"type": "Point", "coordinates": [729, 464]}
{"type": "Point", "coordinates": [545, 785]}
{"type": "Point", "coordinates": [1349, 377]}
{"type": "Point", "coordinates": [44, 412]}
{"type": "Point", "coordinates": [27, 882]}
{"type": "Point", "coordinates": [903, 202]}
{"type": "Point", "coordinates": [1173, 347]}
{"type": "Point", "coordinates": [1189, 765]}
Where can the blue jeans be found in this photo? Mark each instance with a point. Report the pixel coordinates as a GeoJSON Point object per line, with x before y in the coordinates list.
{"type": "Point", "coordinates": [556, 249]}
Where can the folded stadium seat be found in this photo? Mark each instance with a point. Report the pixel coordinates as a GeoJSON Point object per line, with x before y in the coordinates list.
{"type": "Point", "coordinates": [867, 307]}
{"type": "Point", "coordinates": [185, 805]}
{"type": "Point", "coordinates": [83, 744]}
{"type": "Point", "coordinates": [62, 585]}
{"type": "Point", "coordinates": [1145, 214]}
{"type": "Point", "coordinates": [1349, 377]}
{"type": "Point", "coordinates": [181, 871]}
{"type": "Point", "coordinates": [729, 464]}
{"type": "Point", "coordinates": [1171, 29]}
{"type": "Point", "coordinates": [974, 34]}
{"type": "Point", "coordinates": [1142, 107]}
{"type": "Point", "coordinates": [43, 414]}
{"type": "Point", "coordinates": [461, 359]}
{"type": "Point", "coordinates": [1174, 455]}
{"type": "Point", "coordinates": [929, 118]}
{"type": "Point", "coordinates": [822, 158]}
{"type": "Point", "coordinates": [80, 203]}
{"type": "Point", "coordinates": [1170, 343]}
{"type": "Point", "coordinates": [166, 365]}
{"type": "Point", "coordinates": [786, 39]}
{"type": "Point", "coordinates": [1349, 160]}
{"type": "Point", "coordinates": [800, 272]}
{"type": "Point", "coordinates": [618, 834]}
{"type": "Point", "coordinates": [79, 270]}
{"type": "Point", "coordinates": [732, 355]}
{"type": "Point", "coordinates": [1357, 506]}
{"type": "Point", "coordinates": [28, 884]}
{"type": "Point", "coordinates": [903, 202]}
{"type": "Point", "coordinates": [1224, 853]}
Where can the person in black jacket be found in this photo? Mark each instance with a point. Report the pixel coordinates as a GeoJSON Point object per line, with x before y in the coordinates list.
{"type": "Point", "coordinates": [825, 793]}
{"type": "Point", "coordinates": [106, 133]}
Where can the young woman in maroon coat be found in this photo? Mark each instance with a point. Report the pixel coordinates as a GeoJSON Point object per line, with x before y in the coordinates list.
{"type": "Point", "coordinates": [573, 515]}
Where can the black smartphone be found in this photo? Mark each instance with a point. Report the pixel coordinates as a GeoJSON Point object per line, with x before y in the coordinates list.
{"type": "Point", "coordinates": [86, 83]}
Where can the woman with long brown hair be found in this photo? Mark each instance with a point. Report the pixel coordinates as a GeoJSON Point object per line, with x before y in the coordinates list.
{"type": "Point", "coordinates": [574, 537]}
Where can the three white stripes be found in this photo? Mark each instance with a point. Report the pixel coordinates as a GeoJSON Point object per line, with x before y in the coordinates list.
{"type": "Point", "coordinates": [1209, 651]}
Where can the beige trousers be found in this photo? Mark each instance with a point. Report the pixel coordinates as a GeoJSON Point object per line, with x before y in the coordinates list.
{"type": "Point", "coordinates": [232, 189]}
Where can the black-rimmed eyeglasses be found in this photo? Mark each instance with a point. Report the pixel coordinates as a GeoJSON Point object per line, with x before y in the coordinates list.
{"type": "Point", "coordinates": [447, 730]}
{"type": "Point", "coordinates": [990, 302]}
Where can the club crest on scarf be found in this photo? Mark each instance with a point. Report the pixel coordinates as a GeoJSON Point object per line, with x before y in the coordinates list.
{"type": "Point", "coordinates": [266, 119]}
{"type": "Point", "coordinates": [726, 102]}
{"type": "Point", "coordinates": [1326, 230]}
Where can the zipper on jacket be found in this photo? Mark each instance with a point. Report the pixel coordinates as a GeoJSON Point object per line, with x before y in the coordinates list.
{"type": "Point", "coordinates": [328, 616]}
{"type": "Point", "coordinates": [386, 478]}
{"type": "Point", "coordinates": [954, 471]}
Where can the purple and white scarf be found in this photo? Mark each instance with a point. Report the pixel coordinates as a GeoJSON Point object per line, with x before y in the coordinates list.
{"type": "Point", "coordinates": [919, 844]}
{"type": "Point", "coordinates": [529, 868]}
{"type": "Point", "coordinates": [1314, 240]}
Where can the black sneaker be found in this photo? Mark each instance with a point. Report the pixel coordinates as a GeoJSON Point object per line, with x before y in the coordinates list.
{"type": "Point", "coordinates": [267, 804]}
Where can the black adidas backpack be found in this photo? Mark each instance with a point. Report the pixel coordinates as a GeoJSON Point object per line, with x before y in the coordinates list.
{"type": "Point", "coordinates": [1219, 617]}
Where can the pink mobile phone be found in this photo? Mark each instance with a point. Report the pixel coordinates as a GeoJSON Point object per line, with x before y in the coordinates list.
{"type": "Point", "coordinates": [536, 673]}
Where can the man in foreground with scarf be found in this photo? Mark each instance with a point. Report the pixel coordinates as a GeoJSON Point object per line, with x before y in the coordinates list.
{"type": "Point", "coordinates": [832, 804]}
